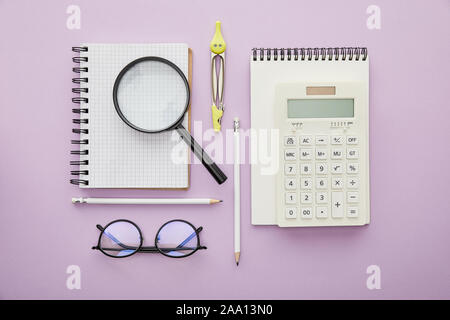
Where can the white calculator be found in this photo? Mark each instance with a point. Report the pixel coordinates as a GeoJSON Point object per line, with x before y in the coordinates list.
{"type": "Point", "coordinates": [323, 178]}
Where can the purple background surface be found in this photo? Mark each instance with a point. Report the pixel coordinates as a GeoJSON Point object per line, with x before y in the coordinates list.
{"type": "Point", "coordinates": [43, 233]}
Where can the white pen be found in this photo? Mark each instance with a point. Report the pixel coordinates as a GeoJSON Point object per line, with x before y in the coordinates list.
{"type": "Point", "coordinates": [237, 194]}
{"type": "Point", "coordinates": [144, 201]}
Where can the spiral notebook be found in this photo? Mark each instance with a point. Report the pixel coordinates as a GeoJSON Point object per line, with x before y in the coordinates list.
{"type": "Point", "coordinates": [111, 154]}
{"type": "Point", "coordinates": [269, 69]}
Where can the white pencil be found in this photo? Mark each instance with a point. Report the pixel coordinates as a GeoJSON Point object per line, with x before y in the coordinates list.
{"type": "Point", "coordinates": [237, 194]}
{"type": "Point", "coordinates": [143, 201]}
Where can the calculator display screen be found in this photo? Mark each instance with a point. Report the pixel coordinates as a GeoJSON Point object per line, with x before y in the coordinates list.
{"type": "Point", "coordinates": [320, 108]}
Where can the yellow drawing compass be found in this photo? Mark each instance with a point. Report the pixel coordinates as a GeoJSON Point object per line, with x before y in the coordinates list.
{"type": "Point", "coordinates": [218, 47]}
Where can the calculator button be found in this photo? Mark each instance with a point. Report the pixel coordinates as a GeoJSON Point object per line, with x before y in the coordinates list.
{"type": "Point", "coordinates": [352, 140]}
{"type": "Point", "coordinates": [290, 169]}
{"type": "Point", "coordinates": [352, 167]}
{"type": "Point", "coordinates": [337, 183]}
{"type": "Point", "coordinates": [290, 184]}
{"type": "Point", "coordinates": [321, 154]}
{"type": "Point", "coordinates": [306, 183]}
{"type": "Point", "coordinates": [289, 141]}
{"type": "Point", "coordinates": [336, 153]}
{"type": "Point", "coordinates": [291, 197]}
{"type": "Point", "coordinates": [306, 197]}
{"type": "Point", "coordinates": [352, 153]}
{"type": "Point", "coordinates": [337, 204]}
{"type": "Point", "coordinates": [321, 197]}
{"type": "Point", "coordinates": [321, 168]}
{"type": "Point", "coordinates": [352, 197]}
{"type": "Point", "coordinates": [337, 139]}
{"type": "Point", "coordinates": [321, 212]}
{"type": "Point", "coordinates": [352, 212]}
{"type": "Point", "coordinates": [305, 140]}
{"type": "Point", "coordinates": [306, 213]}
{"type": "Point", "coordinates": [353, 183]}
{"type": "Point", "coordinates": [306, 168]}
{"type": "Point", "coordinates": [321, 183]}
{"type": "Point", "coordinates": [305, 154]}
{"type": "Point", "coordinates": [336, 168]}
{"type": "Point", "coordinates": [291, 213]}
{"type": "Point", "coordinates": [321, 140]}
{"type": "Point", "coordinates": [290, 154]}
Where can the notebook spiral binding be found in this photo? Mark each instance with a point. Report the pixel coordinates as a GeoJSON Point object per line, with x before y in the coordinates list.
{"type": "Point", "coordinates": [80, 79]}
{"type": "Point", "coordinates": [308, 54]}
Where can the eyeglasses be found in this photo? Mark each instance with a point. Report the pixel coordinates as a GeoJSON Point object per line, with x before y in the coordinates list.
{"type": "Point", "coordinates": [123, 238]}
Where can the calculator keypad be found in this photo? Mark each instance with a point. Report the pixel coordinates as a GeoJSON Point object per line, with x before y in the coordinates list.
{"type": "Point", "coordinates": [321, 176]}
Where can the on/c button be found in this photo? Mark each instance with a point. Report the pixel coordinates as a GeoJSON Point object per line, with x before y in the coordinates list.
{"type": "Point", "coordinates": [289, 141]}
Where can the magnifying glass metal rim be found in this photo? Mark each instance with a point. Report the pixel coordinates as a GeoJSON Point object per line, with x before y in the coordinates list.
{"type": "Point", "coordinates": [131, 65]}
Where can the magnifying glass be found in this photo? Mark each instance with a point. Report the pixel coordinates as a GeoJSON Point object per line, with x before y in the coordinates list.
{"type": "Point", "coordinates": [151, 95]}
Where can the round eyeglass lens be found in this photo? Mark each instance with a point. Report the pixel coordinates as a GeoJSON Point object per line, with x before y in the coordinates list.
{"type": "Point", "coordinates": [120, 239]}
{"type": "Point", "coordinates": [177, 239]}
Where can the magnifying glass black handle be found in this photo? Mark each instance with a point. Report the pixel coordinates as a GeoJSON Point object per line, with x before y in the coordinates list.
{"type": "Point", "coordinates": [209, 164]}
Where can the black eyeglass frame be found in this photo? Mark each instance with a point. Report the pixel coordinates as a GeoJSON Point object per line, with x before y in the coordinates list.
{"type": "Point", "coordinates": [151, 249]}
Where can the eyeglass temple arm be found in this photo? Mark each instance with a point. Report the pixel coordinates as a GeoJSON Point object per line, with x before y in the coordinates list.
{"type": "Point", "coordinates": [153, 249]}
{"type": "Point", "coordinates": [179, 247]}
{"type": "Point", "coordinates": [99, 227]}
{"type": "Point", "coordinates": [189, 238]}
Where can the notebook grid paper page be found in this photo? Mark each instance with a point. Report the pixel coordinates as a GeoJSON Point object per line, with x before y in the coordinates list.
{"type": "Point", "coordinates": [119, 156]}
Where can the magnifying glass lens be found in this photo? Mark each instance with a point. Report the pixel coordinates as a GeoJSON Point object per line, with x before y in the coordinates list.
{"type": "Point", "coordinates": [152, 96]}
